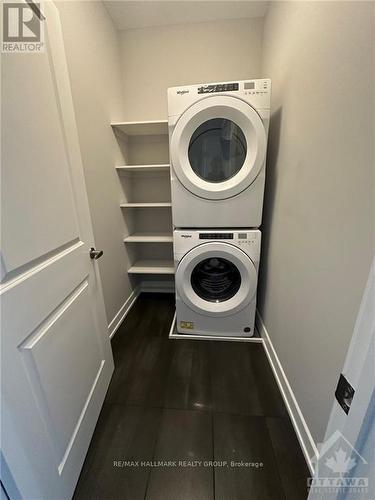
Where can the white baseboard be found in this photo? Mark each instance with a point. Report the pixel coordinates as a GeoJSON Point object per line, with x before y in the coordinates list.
{"type": "Point", "coordinates": [305, 438]}
{"type": "Point", "coordinates": [121, 314]}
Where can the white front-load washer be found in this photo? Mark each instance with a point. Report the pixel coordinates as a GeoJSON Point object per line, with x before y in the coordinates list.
{"type": "Point", "coordinates": [216, 274]}
{"type": "Point", "coordinates": [218, 143]}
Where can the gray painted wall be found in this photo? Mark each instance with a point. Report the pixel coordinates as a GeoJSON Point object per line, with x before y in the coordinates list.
{"type": "Point", "coordinates": [154, 59]}
{"type": "Point", "coordinates": [318, 229]}
{"type": "Point", "coordinates": [92, 51]}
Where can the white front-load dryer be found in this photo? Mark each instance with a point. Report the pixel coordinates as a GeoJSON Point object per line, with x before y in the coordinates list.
{"type": "Point", "coordinates": [216, 274]}
{"type": "Point", "coordinates": [218, 143]}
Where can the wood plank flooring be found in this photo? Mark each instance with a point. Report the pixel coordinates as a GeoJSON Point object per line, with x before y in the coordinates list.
{"type": "Point", "coordinates": [179, 412]}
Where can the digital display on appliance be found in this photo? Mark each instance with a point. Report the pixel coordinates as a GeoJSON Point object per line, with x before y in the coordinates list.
{"type": "Point", "coordinates": [221, 87]}
{"type": "Point", "coordinates": [242, 236]}
{"type": "Point", "coordinates": [249, 85]}
{"type": "Point", "coordinates": [216, 236]}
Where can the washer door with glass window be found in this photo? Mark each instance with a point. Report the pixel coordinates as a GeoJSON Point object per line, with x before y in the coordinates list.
{"type": "Point", "coordinates": [216, 279]}
{"type": "Point", "coordinates": [218, 147]}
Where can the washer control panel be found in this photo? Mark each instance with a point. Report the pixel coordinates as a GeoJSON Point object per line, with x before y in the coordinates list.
{"type": "Point", "coordinates": [248, 240]}
{"type": "Point", "coordinates": [216, 236]}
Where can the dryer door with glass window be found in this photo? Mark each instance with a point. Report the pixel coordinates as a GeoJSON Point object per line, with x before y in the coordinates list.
{"type": "Point", "coordinates": [218, 147]}
{"type": "Point", "coordinates": [216, 279]}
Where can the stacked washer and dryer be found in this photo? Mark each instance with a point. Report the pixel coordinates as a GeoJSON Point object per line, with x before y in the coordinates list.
{"type": "Point", "coordinates": [218, 144]}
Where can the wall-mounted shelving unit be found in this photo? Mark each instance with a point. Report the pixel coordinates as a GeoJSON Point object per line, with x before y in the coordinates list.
{"type": "Point", "coordinates": [138, 169]}
{"type": "Point", "coordinates": [151, 127]}
{"type": "Point", "coordinates": [157, 237]}
{"type": "Point", "coordinates": [146, 204]}
{"type": "Point", "coordinates": [152, 266]}
{"type": "Point", "coordinates": [161, 204]}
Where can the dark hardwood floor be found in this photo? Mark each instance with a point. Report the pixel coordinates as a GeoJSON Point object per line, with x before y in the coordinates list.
{"type": "Point", "coordinates": [190, 420]}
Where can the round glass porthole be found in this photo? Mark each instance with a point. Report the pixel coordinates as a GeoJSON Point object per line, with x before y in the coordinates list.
{"type": "Point", "coordinates": [217, 150]}
{"type": "Point", "coordinates": [215, 279]}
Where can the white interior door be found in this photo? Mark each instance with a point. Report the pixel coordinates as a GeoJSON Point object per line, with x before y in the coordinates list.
{"type": "Point", "coordinates": [350, 434]}
{"type": "Point", "coordinates": [55, 352]}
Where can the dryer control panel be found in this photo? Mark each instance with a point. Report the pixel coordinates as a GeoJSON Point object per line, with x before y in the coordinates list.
{"type": "Point", "coordinates": [220, 87]}
{"type": "Point", "coordinates": [256, 92]}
